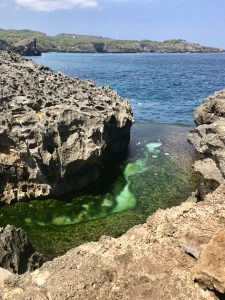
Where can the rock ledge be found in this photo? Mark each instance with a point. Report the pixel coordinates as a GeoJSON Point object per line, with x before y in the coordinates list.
{"type": "Point", "coordinates": [56, 132]}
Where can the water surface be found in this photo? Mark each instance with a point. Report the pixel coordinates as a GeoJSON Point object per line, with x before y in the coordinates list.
{"type": "Point", "coordinates": [162, 87]}
{"type": "Point", "coordinates": [156, 174]}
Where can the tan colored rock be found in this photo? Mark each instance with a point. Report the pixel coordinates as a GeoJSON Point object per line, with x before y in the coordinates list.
{"type": "Point", "coordinates": [210, 270]}
{"type": "Point", "coordinates": [4, 275]}
{"type": "Point", "coordinates": [209, 170]}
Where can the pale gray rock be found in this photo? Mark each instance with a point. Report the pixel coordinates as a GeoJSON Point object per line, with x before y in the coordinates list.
{"type": "Point", "coordinates": [56, 132]}
{"type": "Point", "coordinates": [209, 141]}
{"type": "Point", "coordinates": [192, 250]}
{"type": "Point", "coordinates": [17, 255]}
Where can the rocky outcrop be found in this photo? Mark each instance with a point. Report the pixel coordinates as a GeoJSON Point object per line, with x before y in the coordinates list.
{"type": "Point", "coordinates": [27, 47]}
{"type": "Point", "coordinates": [209, 141]}
{"type": "Point", "coordinates": [56, 132]}
{"type": "Point", "coordinates": [16, 253]}
{"type": "Point", "coordinates": [210, 270]}
{"type": "Point", "coordinates": [4, 45]}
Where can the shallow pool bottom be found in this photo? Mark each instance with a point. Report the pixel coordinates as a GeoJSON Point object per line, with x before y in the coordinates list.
{"type": "Point", "coordinates": [156, 174]}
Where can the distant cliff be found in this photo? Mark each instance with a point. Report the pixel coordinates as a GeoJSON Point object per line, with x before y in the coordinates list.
{"type": "Point", "coordinates": [13, 39]}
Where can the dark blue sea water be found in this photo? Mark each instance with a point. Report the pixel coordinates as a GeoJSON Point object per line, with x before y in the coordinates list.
{"type": "Point", "coordinates": [162, 88]}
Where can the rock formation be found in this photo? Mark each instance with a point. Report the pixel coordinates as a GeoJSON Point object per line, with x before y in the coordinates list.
{"type": "Point", "coordinates": [209, 140]}
{"type": "Point", "coordinates": [56, 132]}
{"type": "Point", "coordinates": [27, 47]}
{"type": "Point", "coordinates": [16, 253]}
{"type": "Point", "coordinates": [4, 45]}
{"type": "Point", "coordinates": [177, 254]}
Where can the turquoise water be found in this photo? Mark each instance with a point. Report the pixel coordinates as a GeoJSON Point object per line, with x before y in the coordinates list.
{"type": "Point", "coordinates": [163, 88]}
{"type": "Point", "coordinates": [156, 174]}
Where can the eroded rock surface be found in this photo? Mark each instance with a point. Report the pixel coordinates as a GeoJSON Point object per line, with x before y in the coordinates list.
{"type": "Point", "coordinates": [209, 140]}
{"type": "Point", "coordinates": [210, 270]}
{"type": "Point", "coordinates": [16, 253]}
{"type": "Point", "coordinates": [177, 254]}
{"type": "Point", "coordinates": [56, 132]}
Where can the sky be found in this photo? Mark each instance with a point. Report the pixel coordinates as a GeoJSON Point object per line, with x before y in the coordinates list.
{"type": "Point", "coordinates": [201, 21]}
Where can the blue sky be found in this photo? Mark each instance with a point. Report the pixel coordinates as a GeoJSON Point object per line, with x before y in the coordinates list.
{"type": "Point", "coordinates": [201, 21]}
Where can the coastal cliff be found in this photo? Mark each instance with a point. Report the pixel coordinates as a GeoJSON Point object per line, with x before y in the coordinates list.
{"type": "Point", "coordinates": [56, 132]}
{"type": "Point", "coordinates": [18, 40]}
{"type": "Point", "coordinates": [177, 254]}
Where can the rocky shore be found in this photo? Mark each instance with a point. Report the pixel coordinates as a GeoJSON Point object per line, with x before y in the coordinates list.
{"type": "Point", "coordinates": [56, 132]}
{"type": "Point", "coordinates": [178, 253]}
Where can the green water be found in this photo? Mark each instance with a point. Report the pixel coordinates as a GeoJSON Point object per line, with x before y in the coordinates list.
{"type": "Point", "coordinates": [156, 174]}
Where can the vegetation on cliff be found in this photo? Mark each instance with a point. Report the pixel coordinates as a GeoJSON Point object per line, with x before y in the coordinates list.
{"type": "Point", "coordinates": [86, 43]}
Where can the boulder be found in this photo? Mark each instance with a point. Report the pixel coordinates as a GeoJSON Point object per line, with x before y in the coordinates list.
{"type": "Point", "coordinates": [209, 141]}
{"type": "Point", "coordinates": [17, 255]}
{"type": "Point", "coordinates": [56, 132]}
{"type": "Point", "coordinates": [210, 269]}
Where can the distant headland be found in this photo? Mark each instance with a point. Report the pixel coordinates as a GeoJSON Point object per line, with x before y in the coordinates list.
{"type": "Point", "coordinates": [27, 42]}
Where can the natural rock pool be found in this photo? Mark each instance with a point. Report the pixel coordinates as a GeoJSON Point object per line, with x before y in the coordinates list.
{"type": "Point", "coordinates": [157, 173]}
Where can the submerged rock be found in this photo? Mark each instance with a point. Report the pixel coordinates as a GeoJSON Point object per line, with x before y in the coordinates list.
{"type": "Point", "coordinates": [209, 141]}
{"type": "Point", "coordinates": [17, 255]}
{"type": "Point", "coordinates": [56, 132]}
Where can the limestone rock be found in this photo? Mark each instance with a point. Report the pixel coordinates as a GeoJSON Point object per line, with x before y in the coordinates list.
{"type": "Point", "coordinates": [4, 275]}
{"type": "Point", "coordinates": [16, 253]}
{"type": "Point", "coordinates": [192, 250]}
{"type": "Point", "coordinates": [209, 140]}
{"type": "Point", "coordinates": [210, 270]}
{"type": "Point", "coordinates": [56, 132]}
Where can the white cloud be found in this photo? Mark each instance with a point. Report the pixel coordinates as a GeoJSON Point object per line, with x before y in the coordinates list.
{"type": "Point", "coordinates": [49, 5]}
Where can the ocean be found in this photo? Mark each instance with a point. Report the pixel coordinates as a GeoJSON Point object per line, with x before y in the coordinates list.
{"type": "Point", "coordinates": [162, 87]}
